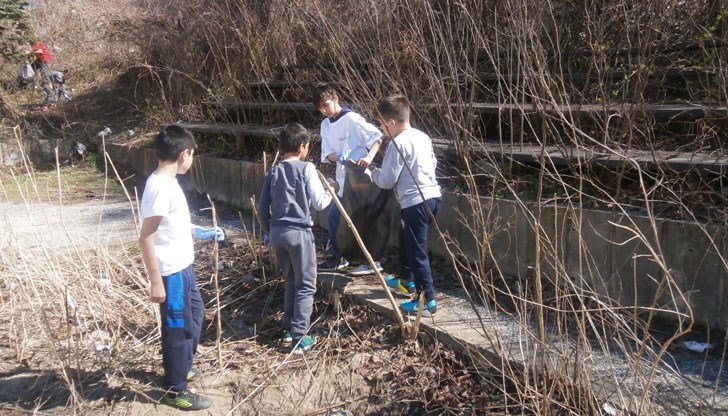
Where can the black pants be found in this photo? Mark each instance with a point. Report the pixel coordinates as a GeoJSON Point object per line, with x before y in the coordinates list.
{"type": "Point", "coordinates": [182, 314]}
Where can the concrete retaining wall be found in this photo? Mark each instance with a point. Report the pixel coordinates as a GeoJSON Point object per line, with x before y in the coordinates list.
{"type": "Point", "coordinates": [38, 151]}
{"type": "Point", "coordinates": [620, 259]}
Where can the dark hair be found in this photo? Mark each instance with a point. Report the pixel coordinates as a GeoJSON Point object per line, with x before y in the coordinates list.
{"type": "Point", "coordinates": [396, 107]}
{"type": "Point", "coordinates": [322, 92]}
{"type": "Point", "coordinates": [171, 141]}
{"type": "Point", "coordinates": [292, 136]}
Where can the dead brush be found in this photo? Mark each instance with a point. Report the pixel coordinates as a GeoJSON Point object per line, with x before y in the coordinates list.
{"type": "Point", "coordinates": [449, 57]}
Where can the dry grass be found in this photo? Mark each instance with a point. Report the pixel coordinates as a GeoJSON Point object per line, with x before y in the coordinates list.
{"type": "Point", "coordinates": [442, 55]}
{"type": "Point", "coordinates": [435, 52]}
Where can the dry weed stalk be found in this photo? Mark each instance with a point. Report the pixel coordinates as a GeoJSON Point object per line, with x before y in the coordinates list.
{"type": "Point", "coordinates": [538, 63]}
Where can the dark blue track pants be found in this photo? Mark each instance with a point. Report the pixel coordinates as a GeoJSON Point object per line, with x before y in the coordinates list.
{"type": "Point", "coordinates": [334, 218]}
{"type": "Point", "coordinates": [413, 258]}
{"type": "Point", "coordinates": [182, 314]}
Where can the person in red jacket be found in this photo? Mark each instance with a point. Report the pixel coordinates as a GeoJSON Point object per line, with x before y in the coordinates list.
{"type": "Point", "coordinates": [42, 64]}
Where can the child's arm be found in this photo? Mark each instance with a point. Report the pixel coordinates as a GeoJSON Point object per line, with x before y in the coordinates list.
{"type": "Point", "coordinates": [320, 199]}
{"type": "Point", "coordinates": [264, 204]}
{"type": "Point", "coordinates": [392, 166]}
{"type": "Point", "coordinates": [366, 160]}
{"type": "Point", "coordinates": [328, 153]}
{"type": "Point", "coordinates": [157, 294]}
{"type": "Point", "coordinates": [370, 137]}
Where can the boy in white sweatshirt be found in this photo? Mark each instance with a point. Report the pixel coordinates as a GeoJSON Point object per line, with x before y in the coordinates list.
{"type": "Point", "coordinates": [409, 167]}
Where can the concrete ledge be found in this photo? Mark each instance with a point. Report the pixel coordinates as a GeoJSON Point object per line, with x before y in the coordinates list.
{"type": "Point", "coordinates": [626, 260]}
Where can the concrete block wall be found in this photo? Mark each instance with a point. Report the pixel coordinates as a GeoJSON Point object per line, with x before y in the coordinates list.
{"type": "Point", "coordinates": [621, 259]}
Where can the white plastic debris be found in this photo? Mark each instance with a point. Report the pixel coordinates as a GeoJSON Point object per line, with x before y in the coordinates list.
{"type": "Point", "coordinates": [103, 133]}
{"type": "Point", "coordinates": [698, 346]}
{"type": "Point", "coordinates": [101, 347]}
{"type": "Point", "coordinates": [609, 409]}
{"type": "Point", "coordinates": [130, 133]}
{"type": "Point", "coordinates": [222, 265]}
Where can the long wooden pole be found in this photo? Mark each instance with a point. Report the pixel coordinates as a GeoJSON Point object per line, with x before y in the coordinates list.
{"type": "Point", "coordinates": [215, 261]}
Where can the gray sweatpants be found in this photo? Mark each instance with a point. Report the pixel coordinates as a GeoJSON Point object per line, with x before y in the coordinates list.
{"type": "Point", "coordinates": [296, 254]}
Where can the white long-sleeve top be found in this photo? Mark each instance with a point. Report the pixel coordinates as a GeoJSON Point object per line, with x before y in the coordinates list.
{"type": "Point", "coordinates": [415, 150]}
{"type": "Point", "coordinates": [349, 133]}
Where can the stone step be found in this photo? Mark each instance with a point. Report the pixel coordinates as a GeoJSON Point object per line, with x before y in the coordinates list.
{"type": "Point", "coordinates": [672, 111]}
{"type": "Point", "coordinates": [559, 156]}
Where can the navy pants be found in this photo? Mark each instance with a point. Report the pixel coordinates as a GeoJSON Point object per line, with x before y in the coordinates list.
{"type": "Point", "coordinates": [413, 257]}
{"type": "Point", "coordinates": [334, 218]}
{"type": "Point", "coordinates": [182, 314]}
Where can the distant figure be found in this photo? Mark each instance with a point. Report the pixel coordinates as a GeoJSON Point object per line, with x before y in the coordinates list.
{"type": "Point", "coordinates": [345, 135]}
{"type": "Point", "coordinates": [409, 167]}
{"type": "Point", "coordinates": [59, 82]}
{"type": "Point", "coordinates": [42, 65]}
{"type": "Point", "coordinates": [168, 253]}
{"type": "Point", "coordinates": [26, 76]}
{"type": "Point", "coordinates": [290, 188]}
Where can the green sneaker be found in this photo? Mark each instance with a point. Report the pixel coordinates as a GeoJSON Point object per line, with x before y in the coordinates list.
{"type": "Point", "coordinates": [193, 374]}
{"type": "Point", "coordinates": [287, 337]}
{"type": "Point", "coordinates": [303, 345]}
{"type": "Point", "coordinates": [186, 400]}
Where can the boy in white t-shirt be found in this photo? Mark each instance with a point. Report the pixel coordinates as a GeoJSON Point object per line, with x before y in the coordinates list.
{"type": "Point", "coordinates": [167, 251]}
{"type": "Point", "coordinates": [345, 135]}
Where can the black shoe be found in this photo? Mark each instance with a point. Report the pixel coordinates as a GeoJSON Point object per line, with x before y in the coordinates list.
{"type": "Point", "coordinates": [331, 265]}
{"type": "Point", "coordinates": [186, 400]}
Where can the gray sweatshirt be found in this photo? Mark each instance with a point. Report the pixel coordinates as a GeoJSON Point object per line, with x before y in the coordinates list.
{"type": "Point", "coordinates": [290, 188]}
{"type": "Point", "coordinates": [416, 151]}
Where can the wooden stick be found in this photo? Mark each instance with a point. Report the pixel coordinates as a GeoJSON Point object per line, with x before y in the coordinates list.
{"type": "Point", "coordinates": [406, 328]}
{"type": "Point", "coordinates": [217, 286]}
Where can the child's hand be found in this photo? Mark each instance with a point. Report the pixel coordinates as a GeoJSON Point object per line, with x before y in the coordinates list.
{"type": "Point", "coordinates": [364, 162]}
{"type": "Point", "coordinates": [333, 184]}
{"type": "Point", "coordinates": [157, 294]}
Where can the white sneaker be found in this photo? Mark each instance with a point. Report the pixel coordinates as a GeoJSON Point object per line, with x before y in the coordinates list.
{"type": "Point", "coordinates": [365, 269]}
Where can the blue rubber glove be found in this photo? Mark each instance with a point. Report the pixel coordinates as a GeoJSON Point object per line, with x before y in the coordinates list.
{"type": "Point", "coordinates": [266, 241]}
{"type": "Point", "coordinates": [342, 157]}
{"type": "Point", "coordinates": [209, 233]}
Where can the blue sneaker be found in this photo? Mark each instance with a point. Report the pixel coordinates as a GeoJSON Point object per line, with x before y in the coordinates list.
{"type": "Point", "coordinates": [412, 306]}
{"type": "Point", "coordinates": [400, 286]}
{"type": "Point", "coordinates": [304, 344]}
{"type": "Point", "coordinates": [287, 337]}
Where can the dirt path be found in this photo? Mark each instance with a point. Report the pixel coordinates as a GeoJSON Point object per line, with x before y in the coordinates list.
{"type": "Point", "coordinates": [100, 360]}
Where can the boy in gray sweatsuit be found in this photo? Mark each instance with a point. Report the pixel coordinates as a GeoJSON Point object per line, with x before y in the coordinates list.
{"type": "Point", "coordinates": [290, 188]}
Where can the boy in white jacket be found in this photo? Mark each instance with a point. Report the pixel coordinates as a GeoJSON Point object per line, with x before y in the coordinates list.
{"type": "Point", "coordinates": [345, 135]}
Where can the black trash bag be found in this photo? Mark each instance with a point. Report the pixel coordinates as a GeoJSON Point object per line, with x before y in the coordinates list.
{"type": "Point", "coordinates": [366, 205]}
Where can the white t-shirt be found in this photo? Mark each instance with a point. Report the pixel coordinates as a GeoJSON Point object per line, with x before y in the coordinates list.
{"type": "Point", "coordinates": [350, 134]}
{"type": "Point", "coordinates": [163, 197]}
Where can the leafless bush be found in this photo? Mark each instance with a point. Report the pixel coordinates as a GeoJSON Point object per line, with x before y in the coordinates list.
{"type": "Point", "coordinates": [538, 61]}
